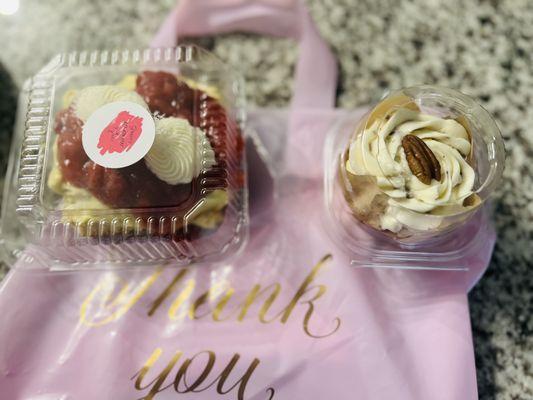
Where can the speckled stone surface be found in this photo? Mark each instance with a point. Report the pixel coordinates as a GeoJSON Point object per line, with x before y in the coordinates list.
{"type": "Point", "coordinates": [481, 47]}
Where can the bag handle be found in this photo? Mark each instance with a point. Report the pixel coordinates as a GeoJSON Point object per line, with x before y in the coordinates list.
{"type": "Point", "coordinates": [316, 69]}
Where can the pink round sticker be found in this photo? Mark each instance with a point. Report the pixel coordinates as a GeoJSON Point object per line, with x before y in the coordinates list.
{"type": "Point", "coordinates": [118, 134]}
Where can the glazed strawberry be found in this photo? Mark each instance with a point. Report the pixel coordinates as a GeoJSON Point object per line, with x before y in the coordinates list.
{"type": "Point", "coordinates": [186, 114]}
{"type": "Point", "coordinates": [163, 93]}
{"type": "Point", "coordinates": [107, 185]}
{"type": "Point", "coordinates": [151, 84]}
{"type": "Point", "coordinates": [66, 121]}
{"type": "Point", "coordinates": [186, 96]}
{"type": "Point", "coordinates": [71, 157]}
{"type": "Point", "coordinates": [161, 107]}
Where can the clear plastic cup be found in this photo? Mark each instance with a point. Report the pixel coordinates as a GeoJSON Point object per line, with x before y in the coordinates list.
{"type": "Point", "coordinates": [366, 201]}
{"type": "Point", "coordinates": [394, 201]}
{"type": "Point", "coordinates": [128, 157]}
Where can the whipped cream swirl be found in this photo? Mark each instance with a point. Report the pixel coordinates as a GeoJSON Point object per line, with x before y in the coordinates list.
{"type": "Point", "coordinates": [378, 152]}
{"type": "Point", "coordinates": [91, 98]}
{"type": "Point", "coordinates": [180, 151]}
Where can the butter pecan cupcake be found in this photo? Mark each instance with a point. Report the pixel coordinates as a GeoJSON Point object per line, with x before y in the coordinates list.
{"type": "Point", "coordinates": [419, 164]}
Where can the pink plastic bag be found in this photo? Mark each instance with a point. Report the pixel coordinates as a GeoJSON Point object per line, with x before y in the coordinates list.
{"type": "Point", "coordinates": [289, 318]}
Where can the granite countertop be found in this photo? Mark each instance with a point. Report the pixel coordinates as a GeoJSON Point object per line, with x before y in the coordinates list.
{"type": "Point", "coordinates": [481, 47]}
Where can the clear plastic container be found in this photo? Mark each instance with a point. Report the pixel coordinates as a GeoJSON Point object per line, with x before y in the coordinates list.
{"type": "Point", "coordinates": [378, 207]}
{"type": "Point", "coordinates": [127, 157]}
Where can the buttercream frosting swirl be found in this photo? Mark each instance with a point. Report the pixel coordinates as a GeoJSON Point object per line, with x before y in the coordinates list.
{"type": "Point", "coordinates": [180, 151]}
{"type": "Point", "coordinates": [378, 152]}
{"type": "Point", "coordinates": [91, 98]}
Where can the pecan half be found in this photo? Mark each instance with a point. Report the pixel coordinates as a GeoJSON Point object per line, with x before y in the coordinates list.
{"type": "Point", "coordinates": [422, 162]}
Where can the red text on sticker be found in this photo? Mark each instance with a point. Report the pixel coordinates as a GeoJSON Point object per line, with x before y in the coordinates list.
{"type": "Point", "coordinates": [120, 134]}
